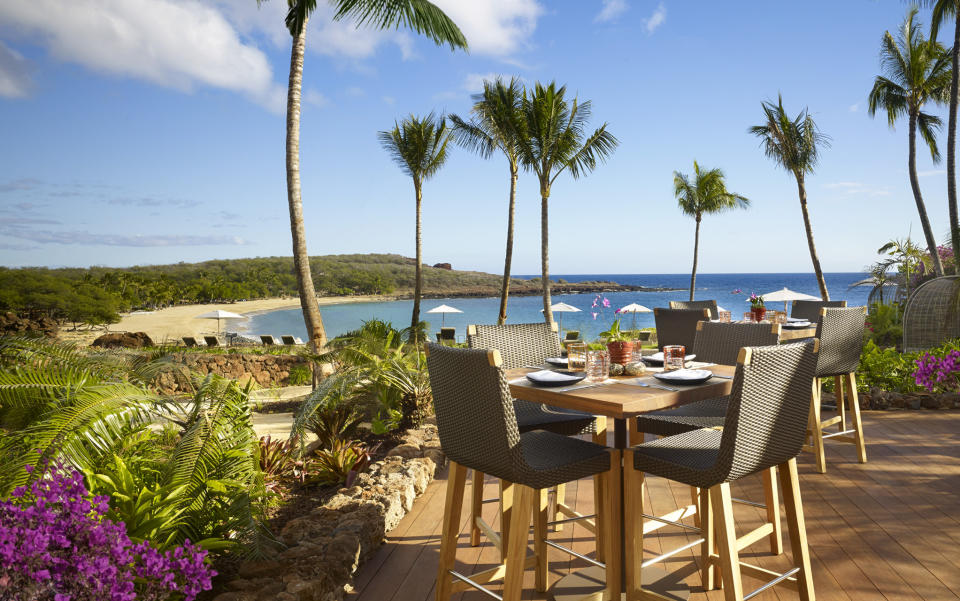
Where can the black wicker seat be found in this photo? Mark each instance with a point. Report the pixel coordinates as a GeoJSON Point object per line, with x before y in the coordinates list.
{"type": "Point", "coordinates": [810, 309]}
{"type": "Point", "coordinates": [764, 429]}
{"type": "Point", "coordinates": [704, 304]}
{"type": "Point", "coordinates": [678, 326]}
{"type": "Point", "coordinates": [478, 430]}
{"type": "Point", "coordinates": [840, 331]}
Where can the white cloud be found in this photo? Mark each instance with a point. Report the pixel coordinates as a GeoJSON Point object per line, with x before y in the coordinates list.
{"type": "Point", "coordinates": [494, 27]}
{"type": "Point", "coordinates": [389, 100]}
{"type": "Point", "coordinates": [854, 107]}
{"type": "Point", "coordinates": [858, 188]}
{"type": "Point", "coordinates": [315, 98]}
{"type": "Point", "coordinates": [473, 82]}
{"type": "Point", "coordinates": [611, 10]}
{"type": "Point", "coordinates": [180, 44]}
{"type": "Point", "coordinates": [931, 172]}
{"type": "Point", "coordinates": [655, 20]}
{"type": "Point", "coordinates": [15, 81]}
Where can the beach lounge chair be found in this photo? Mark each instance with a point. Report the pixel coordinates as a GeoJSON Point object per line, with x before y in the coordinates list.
{"type": "Point", "coordinates": [704, 304]}
{"type": "Point", "coordinates": [290, 340]}
{"type": "Point", "coordinates": [447, 335]}
{"type": "Point", "coordinates": [268, 340]}
{"type": "Point", "coordinates": [572, 336]}
{"type": "Point", "coordinates": [212, 341]}
{"type": "Point", "coordinates": [191, 341]}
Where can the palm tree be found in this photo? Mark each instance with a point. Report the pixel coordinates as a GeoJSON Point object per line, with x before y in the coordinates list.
{"type": "Point", "coordinates": [419, 147]}
{"type": "Point", "coordinates": [795, 145]}
{"type": "Point", "coordinates": [421, 16]}
{"type": "Point", "coordinates": [496, 111]}
{"type": "Point", "coordinates": [706, 194]}
{"type": "Point", "coordinates": [942, 10]}
{"type": "Point", "coordinates": [915, 71]}
{"type": "Point", "coordinates": [551, 139]}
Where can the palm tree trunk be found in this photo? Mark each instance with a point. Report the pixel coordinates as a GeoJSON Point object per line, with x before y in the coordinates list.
{"type": "Point", "coordinates": [545, 255]}
{"type": "Point", "coordinates": [301, 259]}
{"type": "Point", "coordinates": [952, 150]}
{"type": "Point", "coordinates": [921, 208]}
{"type": "Point", "coordinates": [696, 250]}
{"type": "Point", "coordinates": [801, 189]}
{"type": "Point", "coordinates": [508, 257]}
{"type": "Point", "coordinates": [418, 284]}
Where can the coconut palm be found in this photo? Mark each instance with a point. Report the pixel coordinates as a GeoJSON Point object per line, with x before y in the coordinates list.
{"type": "Point", "coordinates": [943, 12]}
{"type": "Point", "coordinates": [421, 16]}
{"type": "Point", "coordinates": [419, 147]}
{"type": "Point", "coordinates": [551, 139]}
{"type": "Point", "coordinates": [495, 113]}
{"type": "Point", "coordinates": [795, 145]}
{"type": "Point", "coordinates": [916, 71]}
{"type": "Point", "coordinates": [707, 194]}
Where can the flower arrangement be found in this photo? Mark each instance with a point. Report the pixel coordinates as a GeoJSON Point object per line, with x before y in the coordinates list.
{"type": "Point", "coordinates": [600, 302]}
{"type": "Point", "coordinates": [56, 545]}
{"type": "Point", "coordinates": [938, 373]}
{"type": "Point", "coordinates": [756, 301]}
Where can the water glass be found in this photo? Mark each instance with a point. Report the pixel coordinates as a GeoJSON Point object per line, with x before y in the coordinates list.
{"type": "Point", "coordinates": [598, 365]}
{"type": "Point", "coordinates": [576, 356]}
{"type": "Point", "coordinates": [673, 356]}
{"type": "Point", "coordinates": [725, 316]}
{"type": "Point", "coordinates": [637, 350]}
{"type": "Point", "coordinates": [748, 316]}
{"type": "Point", "coordinates": [779, 317]}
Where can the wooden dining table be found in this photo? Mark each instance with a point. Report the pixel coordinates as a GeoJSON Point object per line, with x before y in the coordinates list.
{"type": "Point", "coordinates": [619, 399]}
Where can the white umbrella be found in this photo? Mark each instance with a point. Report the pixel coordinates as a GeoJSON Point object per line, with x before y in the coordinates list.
{"type": "Point", "coordinates": [562, 308]}
{"type": "Point", "coordinates": [786, 295]}
{"type": "Point", "coordinates": [634, 308]}
{"type": "Point", "coordinates": [443, 310]}
{"type": "Point", "coordinates": [218, 315]}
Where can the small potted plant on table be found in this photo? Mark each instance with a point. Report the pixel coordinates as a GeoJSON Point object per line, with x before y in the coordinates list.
{"type": "Point", "coordinates": [620, 348]}
{"type": "Point", "coordinates": [757, 307]}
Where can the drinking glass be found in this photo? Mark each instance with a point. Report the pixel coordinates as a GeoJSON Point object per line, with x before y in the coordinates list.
{"type": "Point", "coordinates": [725, 316]}
{"type": "Point", "coordinates": [748, 316]}
{"type": "Point", "coordinates": [780, 317]}
{"type": "Point", "coordinates": [673, 355]}
{"type": "Point", "coordinates": [637, 351]}
{"type": "Point", "coordinates": [576, 355]}
{"type": "Point", "coordinates": [598, 366]}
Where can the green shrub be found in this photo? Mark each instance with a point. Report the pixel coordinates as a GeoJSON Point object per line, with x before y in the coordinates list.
{"type": "Point", "coordinates": [300, 375]}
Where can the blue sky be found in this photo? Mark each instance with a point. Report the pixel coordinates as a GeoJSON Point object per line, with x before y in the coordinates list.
{"type": "Point", "coordinates": [152, 131]}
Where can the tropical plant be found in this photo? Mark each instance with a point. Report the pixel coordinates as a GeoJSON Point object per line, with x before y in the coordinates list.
{"type": "Point", "coordinates": [340, 463]}
{"type": "Point", "coordinates": [276, 459]}
{"type": "Point", "coordinates": [907, 258]}
{"type": "Point", "coordinates": [706, 194]}
{"type": "Point", "coordinates": [795, 145]}
{"type": "Point", "coordinates": [300, 375]}
{"type": "Point", "coordinates": [614, 334]}
{"type": "Point", "coordinates": [551, 139]}
{"type": "Point", "coordinates": [915, 71]}
{"type": "Point", "coordinates": [495, 116]}
{"type": "Point", "coordinates": [943, 10]}
{"type": "Point", "coordinates": [419, 147]}
{"type": "Point", "coordinates": [334, 420]}
{"type": "Point", "coordinates": [421, 16]}
{"type": "Point", "coordinates": [885, 323]}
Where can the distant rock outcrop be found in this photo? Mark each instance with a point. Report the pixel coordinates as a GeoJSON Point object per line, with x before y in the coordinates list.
{"type": "Point", "coordinates": [123, 340]}
{"type": "Point", "coordinates": [12, 324]}
{"type": "Point", "coordinates": [446, 266]}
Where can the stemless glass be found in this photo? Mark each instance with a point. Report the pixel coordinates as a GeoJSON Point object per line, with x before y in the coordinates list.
{"type": "Point", "coordinates": [748, 316]}
{"type": "Point", "coordinates": [673, 355]}
{"type": "Point", "coordinates": [637, 350]}
{"type": "Point", "coordinates": [576, 356]}
{"type": "Point", "coordinates": [598, 366]}
{"type": "Point", "coordinates": [779, 317]}
{"type": "Point", "coordinates": [725, 316]}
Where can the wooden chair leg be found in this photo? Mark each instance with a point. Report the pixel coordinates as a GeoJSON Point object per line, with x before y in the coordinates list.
{"type": "Point", "coordinates": [559, 498]}
{"type": "Point", "coordinates": [841, 409]}
{"type": "Point", "coordinates": [612, 516]}
{"type": "Point", "coordinates": [695, 501]}
{"type": "Point", "coordinates": [541, 515]}
{"type": "Point", "coordinates": [476, 507]}
{"type": "Point", "coordinates": [722, 506]}
{"type": "Point", "coordinates": [790, 482]}
{"type": "Point", "coordinates": [707, 572]}
{"type": "Point", "coordinates": [816, 428]}
{"type": "Point", "coordinates": [506, 513]}
{"type": "Point", "coordinates": [456, 481]}
{"type": "Point", "coordinates": [517, 545]}
{"type": "Point", "coordinates": [635, 435]}
{"type": "Point", "coordinates": [854, 401]}
{"type": "Point", "coordinates": [773, 509]}
{"type": "Point", "coordinates": [599, 490]}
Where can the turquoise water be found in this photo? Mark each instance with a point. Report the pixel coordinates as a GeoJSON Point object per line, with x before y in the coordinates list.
{"type": "Point", "coordinates": [339, 319]}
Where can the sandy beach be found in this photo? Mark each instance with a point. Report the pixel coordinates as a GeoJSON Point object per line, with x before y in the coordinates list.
{"type": "Point", "coordinates": [174, 322]}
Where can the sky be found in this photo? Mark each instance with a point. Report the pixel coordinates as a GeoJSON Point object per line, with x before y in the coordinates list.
{"type": "Point", "coordinates": [137, 132]}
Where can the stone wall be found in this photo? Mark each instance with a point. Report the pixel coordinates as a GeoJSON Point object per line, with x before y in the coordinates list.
{"type": "Point", "coordinates": [265, 370]}
{"type": "Point", "coordinates": [325, 547]}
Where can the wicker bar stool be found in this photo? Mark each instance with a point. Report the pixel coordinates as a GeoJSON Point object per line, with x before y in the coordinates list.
{"type": "Point", "coordinates": [716, 343]}
{"type": "Point", "coordinates": [478, 430]}
{"type": "Point", "coordinates": [810, 310]}
{"type": "Point", "coordinates": [531, 344]}
{"type": "Point", "coordinates": [678, 326]}
{"type": "Point", "coordinates": [841, 338]}
{"type": "Point", "coordinates": [764, 428]}
{"type": "Point", "coordinates": [704, 304]}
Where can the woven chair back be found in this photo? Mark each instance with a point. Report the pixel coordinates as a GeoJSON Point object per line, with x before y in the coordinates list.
{"type": "Point", "coordinates": [810, 310]}
{"type": "Point", "coordinates": [678, 326]}
{"type": "Point", "coordinates": [704, 304]}
{"type": "Point", "coordinates": [841, 340]}
{"type": "Point", "coordinates": [519, 344]}
{"type": "Point", "coordinates": [721, 342]}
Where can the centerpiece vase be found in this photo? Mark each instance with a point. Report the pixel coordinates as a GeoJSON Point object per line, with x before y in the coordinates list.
{"type": "Point", "coordinates": [758, 313]}
{"type": "Point", "coordinates": [621, 351]}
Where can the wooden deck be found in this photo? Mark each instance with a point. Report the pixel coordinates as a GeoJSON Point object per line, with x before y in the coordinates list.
{"type": "Point", "coordinates": [888, 529]}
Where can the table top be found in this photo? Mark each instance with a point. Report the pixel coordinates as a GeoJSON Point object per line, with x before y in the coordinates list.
{"type": "Point", "coordinates": [621, 399]}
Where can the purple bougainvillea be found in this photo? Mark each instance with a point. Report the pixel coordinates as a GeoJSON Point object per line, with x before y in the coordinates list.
{"type": "Point", "coordinates": [56, 545]}
{"type": "Point", "coordinates": [935, 373]}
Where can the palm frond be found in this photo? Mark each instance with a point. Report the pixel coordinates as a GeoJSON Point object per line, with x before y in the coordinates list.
{"type": "Point", "coordinates": [421, 16]}
{"type": "Point", "coordinates": [928, 125]}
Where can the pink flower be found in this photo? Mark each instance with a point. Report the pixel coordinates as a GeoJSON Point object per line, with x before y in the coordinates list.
{"type": "Point", "coordinates": [595, 315]}
{"type": "Point", "coordinates": [606, 303]}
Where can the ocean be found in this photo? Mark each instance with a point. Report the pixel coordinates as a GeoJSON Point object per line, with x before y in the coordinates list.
{"type": "Point", "coordinates": [339, 319]}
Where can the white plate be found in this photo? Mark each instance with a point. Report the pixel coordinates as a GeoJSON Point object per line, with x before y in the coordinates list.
{"type": "Point", "coordinates": [798, 324]}
{"type": "Point", "coordinates": [685, 376]}
{"type": "Point", "coordinates": [558, 361]}
{"type": "Point", "coordinates": [548, 377]}
{"type": "Point", "coordinates": [658, 357]}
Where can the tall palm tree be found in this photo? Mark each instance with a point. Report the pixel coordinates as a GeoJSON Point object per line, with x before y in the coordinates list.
{"type": "Point", "coordinates": [943, 10]}
{"type": "Point", "coordinates": [706, 194]}
{"type": "Point", "coordinates": [419, 147]}
{"type": "Point", "coordinates": [551, 138]}
{"type": "Point", "coordinates": [419, 15]}
{"type": "Point", "coordinates": [916, 71]}
{"type": "Point", "coordinates": [495, 114]}
{"type": "Point", "coordinates": [795, 145]}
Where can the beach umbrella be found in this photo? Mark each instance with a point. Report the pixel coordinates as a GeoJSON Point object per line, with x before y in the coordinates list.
{"type": "Point", "coordinates": [634, 308]}
{"type": "Point", "coordinates": [786, 295]}
{"type": "Point", "coordinates": [562, 308]}
{"type": "Point", "coordinates": [218, 315]}
{"type": "Point", "coordinates": [443, 310]}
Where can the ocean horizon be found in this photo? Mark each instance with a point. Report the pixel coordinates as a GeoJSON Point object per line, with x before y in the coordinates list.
{"type": "Point", "coordinates": [342, 318]}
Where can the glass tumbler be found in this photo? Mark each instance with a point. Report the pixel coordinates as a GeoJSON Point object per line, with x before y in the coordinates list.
{"type": "Point", "coordinates": [725, 316]}
{"type": "Point", "coordinates": [576, 356]}
{"type": "Point", "coordinates": [637, 355]}
{"type": "Point", "coordinates": [748, 316]}
{"type": "Point", "coordinates": [598, 366]}
{"type": "Point", "coordinates": [673, 356]}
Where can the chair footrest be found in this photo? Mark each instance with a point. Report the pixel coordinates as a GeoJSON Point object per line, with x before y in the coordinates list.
{"type": "Point", "coordinates": [653, 523]}
{"type": "Point", "coordinates": [750, 503]}
{"type": "Point", "coordinates": [569, 551]}
{"type": "Point", "coordinates": [836, 434]}
{"type": "Point", "coordinates": [780, 578]}
{"type": "Point", "coordinates": [671, 553]}
{"type": "Point", "coordinates": [478, 579]}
